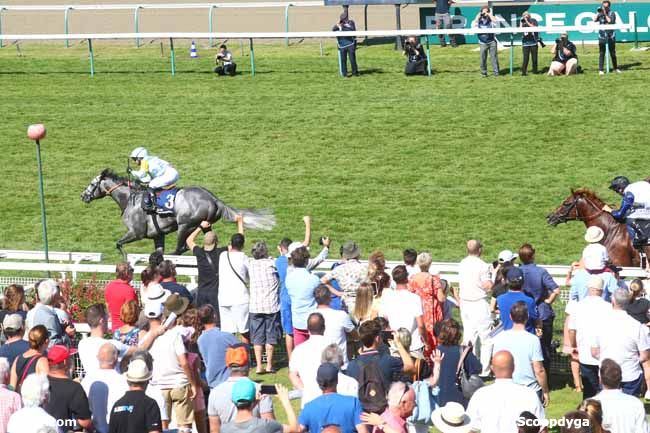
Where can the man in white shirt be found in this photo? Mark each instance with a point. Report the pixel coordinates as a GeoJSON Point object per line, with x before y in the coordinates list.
{"type": "Point", "coordinates": [475, 284]}
{"type": "Point", "coordinates": [346, 385]}
{"type": "Point", "coordinates": [233, 293]}
{"type": "Point", "coordinates": [97, 319]}
{"type": "Point", "coordinates": [586, 322]}
{"type": "Point", "coordinates": [526, 350]}
{"type": "Point", "coordinates": [622, 413]}
{"type": "Point", "coordinates": [625, 341]}
{"type": "Point", "coordinates": [306, 359]}
{"type": "Point", "coordinates": [403, 309]}
{"type": "Point", "coordinates": [172, 373]}
{"type": "Point", "coordinates": [337, 322]}
{"type": "Point", "coordinates": [496, 408]}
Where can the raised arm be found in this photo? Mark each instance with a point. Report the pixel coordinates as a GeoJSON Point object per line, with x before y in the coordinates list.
{"type": "Point", "coordinates": [307, 220]}
{"type": "Point", "coordinates": [191, 239]}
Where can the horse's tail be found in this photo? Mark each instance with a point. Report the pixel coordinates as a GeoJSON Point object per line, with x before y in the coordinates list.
{"type": "Point", "coordinates": [254, 219]}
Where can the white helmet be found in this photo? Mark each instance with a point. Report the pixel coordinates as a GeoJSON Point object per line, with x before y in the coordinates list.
{"type": "Point", "coordinates": [139, 152]}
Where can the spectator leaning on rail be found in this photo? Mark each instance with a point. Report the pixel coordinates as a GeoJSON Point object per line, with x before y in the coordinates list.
{"type": "Point", "coordinates": [606, 38]}
{"type": "Point", "coordinates": [626, 341]}
{"type": "Point", "coordinates": [565, 57]}
{"type": "Point", "coordinates": [416, 58]}
{"type": "Point", "coordinates": [225, 64]}
{"type": "Point", "coordinates": [444, 21]}
{"type": "Point", "coordinates": [487, 41]}
{"type": "Point", "coordinates": [529, 41]}
{"type": "Point", "coordinates": [347, 44]}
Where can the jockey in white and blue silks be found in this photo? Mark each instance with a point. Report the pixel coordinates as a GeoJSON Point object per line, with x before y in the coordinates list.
{"type": "Point", "coordinates": [635, 204]}
{"type": "Point", "coordinates": [155, 172]}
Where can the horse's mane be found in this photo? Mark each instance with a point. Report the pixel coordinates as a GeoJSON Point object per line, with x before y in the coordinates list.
{"type": "Point", "coordinates": [589, 194]}
{"type": "Point", "coordinates": [107, 173]}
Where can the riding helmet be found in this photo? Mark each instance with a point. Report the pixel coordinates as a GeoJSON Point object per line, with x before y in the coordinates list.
{"type": "Point", "coordinates": [619, 183]}
{"type": "Point", "coordinates": [139, 152]}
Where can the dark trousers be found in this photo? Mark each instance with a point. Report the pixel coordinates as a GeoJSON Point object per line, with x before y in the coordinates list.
{"type": "Point", "coordinates": [590, 380]}
{"type": "Point", "coordinates": [418, 67]}
{"type": "Point", "coordinates": [351, 52]}
{"type": "Point", "coordinates": [230, 69]}
{"type": "Point", "coordinates": [545, 341]}
{"type": "Point", "coordinates": [530, 51]}
{"type": "Point", "coordinates": [634, 387]}
{"type": "Point", "coordinates": [611, 43]}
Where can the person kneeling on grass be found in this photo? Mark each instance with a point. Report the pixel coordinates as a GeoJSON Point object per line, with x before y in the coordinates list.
{"type": "Point", "coordinates": [225, 65]}
{"type": "Point", "coordinates": [416, 58]}
{"type": "Point", "coordinates": [565, 59]}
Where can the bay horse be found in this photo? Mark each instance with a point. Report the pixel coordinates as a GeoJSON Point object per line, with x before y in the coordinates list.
{"type": "Point", "coordinates": [192, 205]}
{"type": "Point", "coordinates": [583, 205]}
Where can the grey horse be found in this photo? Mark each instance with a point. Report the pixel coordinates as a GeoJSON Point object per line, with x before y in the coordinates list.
{"type": "Point", "coordinates": [193, 204]}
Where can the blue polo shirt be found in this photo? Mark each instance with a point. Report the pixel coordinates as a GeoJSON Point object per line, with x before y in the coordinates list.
{"type": "Point", "coordinates": [538, 284]}
{"type": "Point", "coordinates": [579, 287]}
{"type": "Point", "coordinates": [507, 300]}
{"type": "Point", "coordinates": [331, 409]}
{"type": "Point", "coordinates": [213, 344]}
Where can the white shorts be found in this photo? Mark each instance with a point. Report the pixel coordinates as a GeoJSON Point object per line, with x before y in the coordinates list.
{"type": "Point", "coordinates": [234, 318]}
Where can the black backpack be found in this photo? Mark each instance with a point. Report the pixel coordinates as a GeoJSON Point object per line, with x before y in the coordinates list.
{"type": "Point", "coordinates": [372, 391]}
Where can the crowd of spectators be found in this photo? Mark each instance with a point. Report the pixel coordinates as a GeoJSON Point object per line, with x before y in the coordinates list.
{"type": "Point", "coordinates": [369, 351]}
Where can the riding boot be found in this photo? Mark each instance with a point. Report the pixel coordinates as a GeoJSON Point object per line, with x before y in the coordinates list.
{"type": "Point", "coordinates": [148, 201]}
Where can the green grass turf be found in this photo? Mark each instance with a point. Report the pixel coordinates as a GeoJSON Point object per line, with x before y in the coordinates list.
{"type": "Point", "coordinates": [387, 160]}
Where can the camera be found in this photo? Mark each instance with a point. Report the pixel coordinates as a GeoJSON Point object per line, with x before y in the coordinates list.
{"type": "Point", "coordinates": [321, 241]}
{"type": "Point", "coordinates": [600, 11]}
{"type": "Point", "coordinates": [386, 336]}
{"type": "Point", "coordinates": [541, 43]}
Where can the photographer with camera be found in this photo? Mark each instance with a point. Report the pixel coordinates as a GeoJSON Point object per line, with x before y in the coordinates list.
{"type": "Point", "coordinates": [416, 58]}
{"type": "Point", "coordinates": [225, 65]}
{"type": "Point", "coordinates": [529, 41]}
{"type": "Point", "coordinates": [347, 45]}
{"type": "Point", "coordinates": [487, 41]}
{"type": "Point", "coordinates": [606, 38]}
{"type": "Point", "coordinates": [565, 59]}
{"type": "Point", "coordinates": [443, 21]}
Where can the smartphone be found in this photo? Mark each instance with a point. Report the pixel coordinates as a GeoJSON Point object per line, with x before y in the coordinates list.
{"type": "Point", "coordinates": [386, 335]}
{"type": "Point", "coordinates": [268, 390]}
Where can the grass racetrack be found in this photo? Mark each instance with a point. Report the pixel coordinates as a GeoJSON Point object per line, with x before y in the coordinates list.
{"type": "Point", "coordinates": [386, 160]}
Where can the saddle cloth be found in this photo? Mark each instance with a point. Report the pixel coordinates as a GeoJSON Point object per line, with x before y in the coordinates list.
{"type": "Point", "coordinates": [165, 200]}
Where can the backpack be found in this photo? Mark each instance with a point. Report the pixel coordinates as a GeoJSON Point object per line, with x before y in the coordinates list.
{"type": "Point", "coordinates": [372, 392]}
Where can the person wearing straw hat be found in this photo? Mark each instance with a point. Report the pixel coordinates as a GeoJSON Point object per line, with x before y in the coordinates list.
{"type": "Point", "coordinates": [136, 412]}
{"type": "Point", "coordinates": [451, 418]}
{"type": "Point", "coordinates": [595, 255]}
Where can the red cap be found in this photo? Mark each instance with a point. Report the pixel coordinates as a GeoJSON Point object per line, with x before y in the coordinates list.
{"type": "Point", "coordinates": [59, 353]}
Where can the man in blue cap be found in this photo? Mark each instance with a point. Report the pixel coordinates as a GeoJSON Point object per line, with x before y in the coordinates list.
{"type": "Point", "coordinates": [246, 397]}
{"type": "Point", "coordinates": [515, 281]}
{"type": "Point", "coordinates": [331, 408]}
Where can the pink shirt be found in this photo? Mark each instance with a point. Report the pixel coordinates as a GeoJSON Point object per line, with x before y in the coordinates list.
{"type": "Point", "coordinates": [9, 403]}
{"type": "Point", "coordinates": [117, 293]}
{"type": "Point", "coordinates": [394, 421]}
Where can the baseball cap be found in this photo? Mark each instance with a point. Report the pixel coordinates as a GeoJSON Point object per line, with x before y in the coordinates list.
{"type": "Point", "coordinates": [515, 275]}
{"type": "Point", "coordinates": [12, 322]}
{"type": "Point", "coordinates": [153, 309]}
{"type": "Point", "coordinates": [327, 373]}
{"type": "Point", "coordinates": [244, 390]}
{"type": "Point", "coordinates": [59, 353]}
{"type": "Point", "coordinates": [506, 256]}
{"type": "Point", "coordinates": [293, 246]}
{"type": "Point", "coordinates": [237, 355]}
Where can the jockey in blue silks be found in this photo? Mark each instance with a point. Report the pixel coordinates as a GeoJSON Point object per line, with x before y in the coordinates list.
{"type": "Point", "coordinates": [635, 204]}
{"type": "Point", "coordinates": [157, 173]}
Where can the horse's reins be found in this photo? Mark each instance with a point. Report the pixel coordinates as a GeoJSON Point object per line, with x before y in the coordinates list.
{"type": "Point", "coordinates": [578, 217]}
{"type": "Point", "coordinates": [114, 187]}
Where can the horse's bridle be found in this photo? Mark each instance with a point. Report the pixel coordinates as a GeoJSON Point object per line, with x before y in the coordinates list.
{"type": "Point", "coordinates": [96, 183]}
{"type": "Point", "coordinates": [574, 204]}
